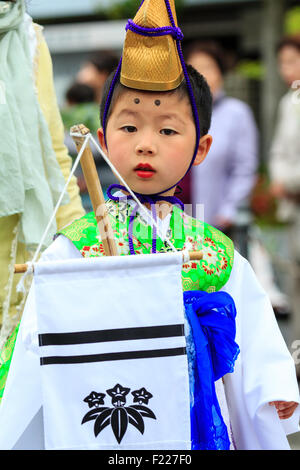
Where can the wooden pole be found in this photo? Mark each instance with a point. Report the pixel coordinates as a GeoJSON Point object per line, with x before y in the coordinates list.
{"type": "Point", "coordinates": [20, 268]}
{"type": "Point", "coordinates": [194, 256]}
{"type": "Point", "coordinates": [95, 191]}
{"type": "Point", "coordinates": [97, 199]}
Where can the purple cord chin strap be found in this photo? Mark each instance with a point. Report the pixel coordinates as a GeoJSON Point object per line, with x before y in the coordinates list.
{"type": "Point", "coordinates": [143, 198]}
{"type": "Point", "coordinates": [178, 36]}
{"type": "Point", "coordinates": [154, 32]}
{"type": "Point", "coordinates": [176, 33]}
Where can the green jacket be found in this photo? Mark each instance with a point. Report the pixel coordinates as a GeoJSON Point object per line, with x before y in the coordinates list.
{"type": "Point", "coordinates": [186, 233]}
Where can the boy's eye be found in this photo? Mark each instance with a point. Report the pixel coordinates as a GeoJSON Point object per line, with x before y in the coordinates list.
{"type": "Point", "coordinates": [129, 129]}
{"type": "Point", "coordinates": [168, 132]}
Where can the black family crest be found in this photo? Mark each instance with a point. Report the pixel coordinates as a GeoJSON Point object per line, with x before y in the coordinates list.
{"type": "Point", "coordinates": [118, 416]}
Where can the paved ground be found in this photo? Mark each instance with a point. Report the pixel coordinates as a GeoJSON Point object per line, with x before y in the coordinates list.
{"type": "Point", "coordinates": [294, 440]}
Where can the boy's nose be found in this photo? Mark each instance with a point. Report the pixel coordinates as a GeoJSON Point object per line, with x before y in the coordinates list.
{"type": "Point", "coordinates": [144, 150]}
{"type": "Point", "coordinates": [146, 147]}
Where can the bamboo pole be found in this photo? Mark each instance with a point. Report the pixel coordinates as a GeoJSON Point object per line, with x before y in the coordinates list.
{"type": "Point", "coordinates": [20, 268]}
{"type": "Point", "coordinates": [194, 256]}
{"type": "Point", "coordinates": [95, 191]}
{"type": "Point", "coordinates": [97, 199]}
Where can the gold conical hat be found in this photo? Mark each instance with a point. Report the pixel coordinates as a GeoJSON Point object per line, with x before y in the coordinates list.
{"type": "Point", "coordinates": [151, 63]}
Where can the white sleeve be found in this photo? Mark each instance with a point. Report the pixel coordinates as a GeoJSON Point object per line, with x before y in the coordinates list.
{"type": "Point", "coordinates": [264, 371]}
{"type": "Point", "coordinates": [284, 163]}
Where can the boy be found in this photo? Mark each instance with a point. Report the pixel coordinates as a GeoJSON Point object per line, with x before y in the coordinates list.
{"type": "Point", "coordinates": [150, 138]}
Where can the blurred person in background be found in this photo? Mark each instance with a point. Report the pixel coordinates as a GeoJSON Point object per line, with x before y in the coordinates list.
{"type": "Point", "coordinates": [34, 160]}
{"type": "Point", "coordinates": [93, 73]}
{"type": "Point", "coordinates": [79, 93]}
{"type": "Point", "coordinates": [96, 70]}
{"type": "Point", "coordinates": [285, 150]}
{"type": "Point", "coordinates": [224, 181]}
{"type": "Point", "coordinates": [80, 108]}
{"type": "Point", "coordinates": [284, 164]}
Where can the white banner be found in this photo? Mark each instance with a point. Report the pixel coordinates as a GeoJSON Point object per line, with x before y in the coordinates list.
{"type": "Point", "coordinates": [113, 353]}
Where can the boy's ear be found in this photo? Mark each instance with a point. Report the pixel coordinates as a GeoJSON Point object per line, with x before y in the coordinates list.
{"type": "Point", "coordinates": [203, 149]}
{"type": "Point", "coordinates": [101, 138]}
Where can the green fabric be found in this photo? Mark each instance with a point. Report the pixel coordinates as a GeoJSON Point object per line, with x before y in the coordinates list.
{"type": "Point", "coordinates": [5, 359]}
{"type": "Point", "coordinates": [30, 177]}
{"type": "Point", "coordinates": [85, 113]}
{"type": "Point", "coordinates": [210, 274]}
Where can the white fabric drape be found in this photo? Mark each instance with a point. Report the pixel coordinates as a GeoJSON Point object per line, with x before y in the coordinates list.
{"type": "Point", "coordinates": [118, 326]}
{"type": "Point", "coordinates": [263, 372]}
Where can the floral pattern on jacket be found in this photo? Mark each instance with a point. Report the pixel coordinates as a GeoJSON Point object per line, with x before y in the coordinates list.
{"type": "Point", "coordinates": [185, 233]}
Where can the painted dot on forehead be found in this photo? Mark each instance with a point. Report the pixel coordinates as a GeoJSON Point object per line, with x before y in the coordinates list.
{"type": "Point", "coordinates": [157, 102]}
{"type": "Point", "coordinates": [136, 100]}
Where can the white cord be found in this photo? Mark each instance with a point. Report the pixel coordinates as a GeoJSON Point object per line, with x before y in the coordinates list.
{"type": "Point", "coordinates": [186, 256]}
{"type": "Point", "coordinates": [129, 190]}
{"type": "Point", "coordinates": [88, 136]}
{"type": "Point", "coordinates": [21, 283]}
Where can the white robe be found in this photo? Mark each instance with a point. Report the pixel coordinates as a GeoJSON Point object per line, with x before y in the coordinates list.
{"type": "Point", "coordinates": [264, 370]}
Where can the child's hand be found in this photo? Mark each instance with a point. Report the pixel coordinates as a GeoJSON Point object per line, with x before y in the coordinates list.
{"type": "Point", "coordinates": [285, 409]}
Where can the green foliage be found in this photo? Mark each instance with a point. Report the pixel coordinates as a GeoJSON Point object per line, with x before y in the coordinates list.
{"type": "Point", "coordinates": [121, 9]}
{"type": "Point", "coordinates": [85, 113]}
{"type": "Point", "coordinates": [255, 69]}
{"type": "Point", "coordinates": [292, 21]}
{"type": "Point", "coordinates": [251, 69]}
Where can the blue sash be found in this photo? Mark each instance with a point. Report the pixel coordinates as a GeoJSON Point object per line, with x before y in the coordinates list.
{"type": "Point", "coordinates": [212, 320]}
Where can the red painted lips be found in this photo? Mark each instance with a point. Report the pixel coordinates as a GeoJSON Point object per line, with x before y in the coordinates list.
{"type": "Point", "coordinates": [144, 170]}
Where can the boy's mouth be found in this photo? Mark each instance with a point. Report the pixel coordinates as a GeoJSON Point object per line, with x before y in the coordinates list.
{"type": "Point", "coordinates": [144, 170]}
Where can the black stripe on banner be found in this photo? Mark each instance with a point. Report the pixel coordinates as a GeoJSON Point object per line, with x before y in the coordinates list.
{"type": "Point", "coordinates": [117, 356]}
{"type": "Point", "coordinates": [118, 334]}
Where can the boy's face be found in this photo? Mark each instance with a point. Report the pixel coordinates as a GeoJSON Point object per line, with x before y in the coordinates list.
{"type": "Point", "coordinates": [289, 64]}
{"type": "Point", "coordinates": [208, 67]}
{"type": "Point", "coordinates": [151, 139]}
